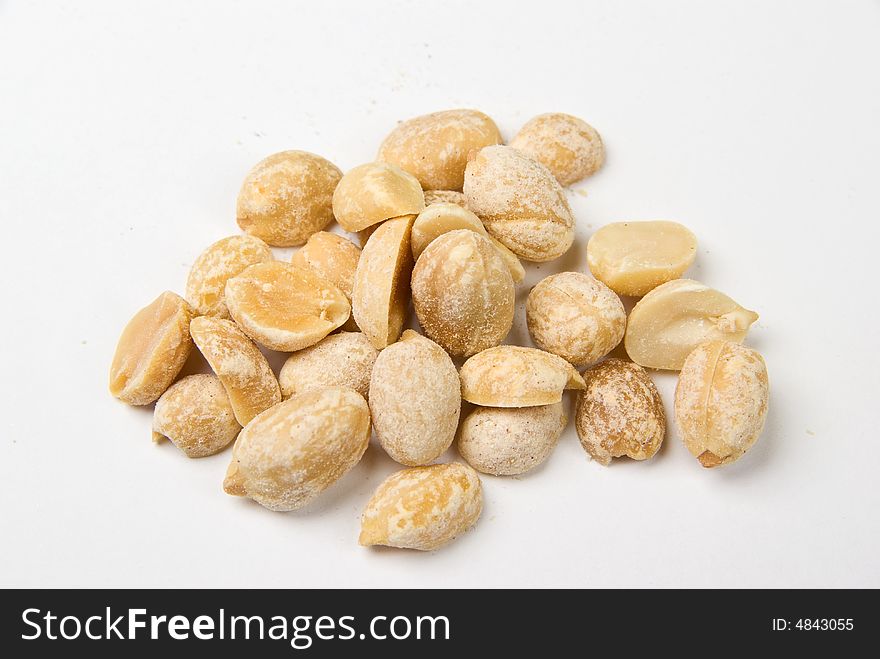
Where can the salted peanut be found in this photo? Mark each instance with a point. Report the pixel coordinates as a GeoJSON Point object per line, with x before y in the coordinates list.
{"type": "Point", "coordinates": [632, 258]}
{"type": "Point", "coordinates": [619, 413]}
{"type": "Point", "coordinates": [512, 376]}
{"type": "Point", "coordinates": [287, 197]}
{"type": "Point", "coordinates": [196, 415]}
{"type": "Point", "coordinates": [415, 399]}
{"type": "Point", "coordinates": [334, 259]}
{"type": "Point", "coordinates": [721, 401]}
{"type": "Point", "coordinates": [295, 450]}
{"type": "Point", "coordinates": [443, 217]}
{"type": "Point", "coordinates": [434, 147]}
{"type": "Point", "coordinates": [151, 351]}
{"type": "Point", "coordinates": [206, 285]}
{"type": "Point", "coordinates": [284, 307]}
{"type": "Point", "coordinates": [380, 295]}
{"type": "Point", "coordinates": [243, 370]}
{"type": "Point", "coordinates": [423, 508]}
{"type": "Point", "coordinates": [463, 293]}
{"type": "Point", "coordinates": [569, 147]}
{"type": "Point", "coordinates": [376, 192]}
{"type": "Point", "coordinates": [575, 317]}
{"type": "Point", "coordinates": [520, 203]}
{"type": "Point", "coordinates": [510, 441]}
{"type": "Point", "coordinates": [445, 197]}
{"type": "Point", "coordinates": [676, 317]}
{"type": "Point", "coordinates": [341, 360]}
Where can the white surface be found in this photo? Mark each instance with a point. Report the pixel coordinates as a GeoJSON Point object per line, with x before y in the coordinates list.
{"type": "Point", "coordinates": [126, 129]}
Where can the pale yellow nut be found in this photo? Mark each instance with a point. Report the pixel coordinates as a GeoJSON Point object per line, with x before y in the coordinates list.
{"type": "Point", "coordinates": [445, 197]}
{"type": "Point", "coordinates": [284, 307]}
{"type": "Point", "coordinates": [510, 441]}
{"type": "Point", "coordinates": [513, 376]}
{"type": "Point", "coordinates": [415, 399]}
{"type": "Point", "coordinates": [206, 285]}
{"type": "Point", "coordinates": [443, 217]}
{"type": "Point", "coordinates": [434, 147]}
{"type": "Point", "coordinates": [632, 258]}
{"type": "Point", "coordinates": [463, 293]}
{"type": "Point", "coordinates": [520, 203]}
{"type": "Point", "coordinates": [285, 457]}
{"type": "Point", "coordinates": [619, 413]}
{"type": "Point", "coordinates": [721, 401]}
{"type": "Point", "coordinates": [373, 193]}
{"type": "Point", "coordinates": [569, 147]}
{"type": "Point", "coordinates": [243, 370]}
{"type": "Point", "coordinates": [341, 360]}
{"type": "Point", "coordinates": [575, 317]}
{"type": "Point", "coordinates": [675, 317]}
{"type": "Point", "coordinates": [196, 415]}
{"type": "Point", "coordinates": [151, 351]}
{"type": "Point", "coordinates": [334, 259]}
{"type": "Point", "coordinates": [380, 296]}
{"type": "Point", "coordinates": [287, 197]}
{"type": "Point", "coordinates": [423, 508]}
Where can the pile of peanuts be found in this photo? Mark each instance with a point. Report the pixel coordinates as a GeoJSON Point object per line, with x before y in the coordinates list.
{"type": "Point", "coordinates": [443, 217]}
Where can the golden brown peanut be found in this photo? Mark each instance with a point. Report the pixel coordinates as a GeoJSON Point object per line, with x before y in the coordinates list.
{"type": "Point", "coordinates": [206, 285]}
{"type": "Point", "coordinates": [151, 351]}
{"type": "Point", "coordinates": [289, 454]}
{"type": "Point", "coordinates": [241, 367]}
{"type": "Point", "coordinates": [376, 192]}
{"type": "Point", "coordinates": [512, 376]}
{"type": "Point", "coordinates": [380, 296]}
{"type": "Point", "coordinates": [284, 307]}
{"type": "Point", "coordinates": [520, 203]}
{"type": "Point", "coordinates": [632, 258]}
{"type": "Point", "coordinates": [423, 507]}
{"type": "Point", "coordinates": [434, 147]}
{"type": "Point", "coordinates": [721, 401]}
{"type": "Point", "coordinates": [445, 197]}
{"type": "Point", "coordinates": [619, 413]}
{"type": "Point", "coordinates": [569, 147]}
{"type": "Point", "coordinates": [463, 293]}
{"type": "Point", "coordinates": [334, 259]}
{"type": "Point", "coordinates": [341, 360]}
{"type": "Point", "coordinates": [575, 317]}
{"type": "Point", "coordinates": [415, 399]}
{"type": "Point", "coordinates": [196, 415]}
{"type": "Point", "coordinates": [287, 197]}
{"type": "Point", "coordinates": [510, 441]}
{"type": "Point", "coordinates": [671, 320]}
{"type": "Point", "coordinates": [442, 217]}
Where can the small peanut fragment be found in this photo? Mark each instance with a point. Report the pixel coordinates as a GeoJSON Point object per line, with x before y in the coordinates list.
{"type": "Point", "coordinates": [340, 360]}
{"type": "Point", "coordinates": [632, 258]}
{"type": "Point", "coordinates": [445, 197]}
{"type": "Point", "coordinates": [434, 147]}
{"type": "Point", "coordinates": [569, 147]}
{"type": "Point", "coordinates": [241, 367]}
{"type": "Point", "coordinates": [151, 351]}
{"type": "Point", "coordinates": [619, 413]}
{"type": "Point", "coordinates": [415, 399]}
{"type": "Point", "coordinates": [721, 401]}
{"type": "Point", "coordinates": [373, 193]}
{"type": "Point", "coordinates": [287, 197]}
{"type": "Point", "coordinates": [513, 376]}
{"type": "Point", "coordinates": [505, 441]}
{"type": "Point", "coordinates": [575, 317]}
{"type": "Point", "coordinates": [289, 454]}
{"type": "Point", "coordinates": [671, 320]}
{"type": "Point", "coordinates": [196, 415]}
{"type": "Point", "coordinates": [380, 295]}
{"type": "Point", "coordinates": [334, 259]}
{"type": "Point", "coordinates": [423, 508]}
{"type": "Point", "coordinates": [284, 307]}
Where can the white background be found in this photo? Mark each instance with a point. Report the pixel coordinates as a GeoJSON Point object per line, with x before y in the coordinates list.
{"type": "Point", "coordinates": [126, 129]}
